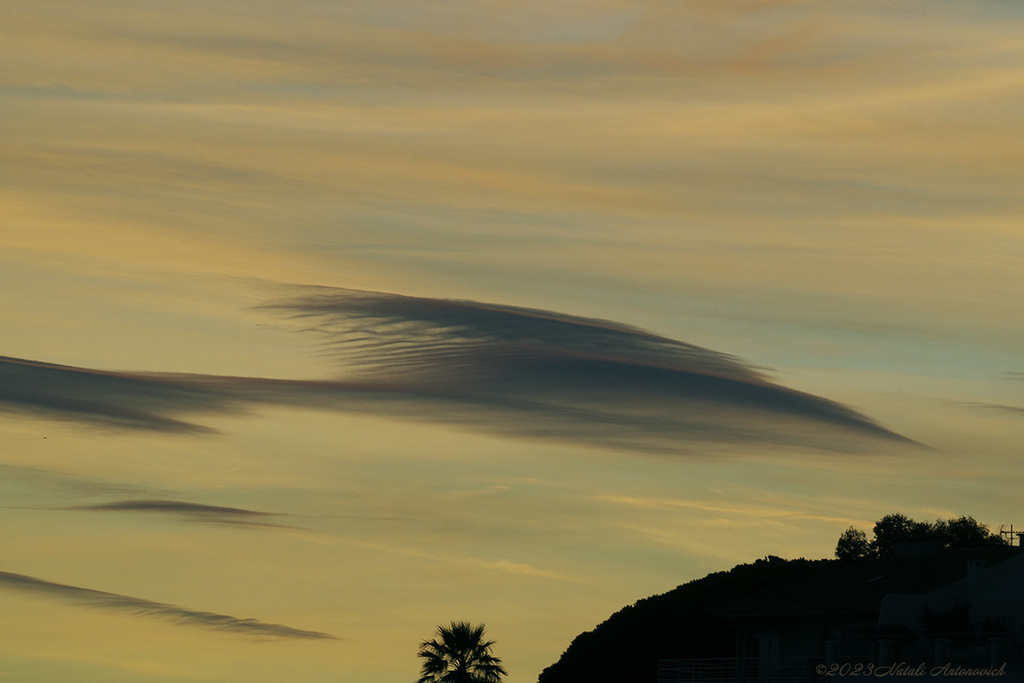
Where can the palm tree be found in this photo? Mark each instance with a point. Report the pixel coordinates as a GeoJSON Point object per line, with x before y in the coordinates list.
{"type": "Point", "coordinates": [460, 655]}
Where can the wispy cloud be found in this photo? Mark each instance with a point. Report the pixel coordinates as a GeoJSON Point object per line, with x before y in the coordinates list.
{"type": "Point", "coordinates": [503, 565]}
{"type": "Point", "coordinates": [503, 369]}
{"type": "Point", "coordinates": [51, 483]}
{"type": "Point", "coordinates": [1013, 411]}
{"type": "Point", "coordinates": [764, 511]}
{"type": "Point", "coordinates": [173, 506]}
{"type": "Point", "coordinates": [193, 512]}
{"type": "Point", "coordinates": [106, 398]}
{"type": "Point", "coordinates": [141, 607]}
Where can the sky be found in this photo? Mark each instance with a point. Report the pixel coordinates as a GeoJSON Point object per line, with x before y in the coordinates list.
{"type": "Point", "coordinates": [326, 323]}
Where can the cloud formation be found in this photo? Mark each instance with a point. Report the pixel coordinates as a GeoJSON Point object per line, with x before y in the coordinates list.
{"type": "Point", "coordinates": [173, 506]}
{"type": "Point", "coordinates": [138, 606]}
{"type": "Point", "coordinates": [193, 512]}
{"type": "Point", "coordinates": [106, 398]}
{"type": "Point", "coordinates": [503, 369]}
{"type": "Point", "coordinates": [544, 374]}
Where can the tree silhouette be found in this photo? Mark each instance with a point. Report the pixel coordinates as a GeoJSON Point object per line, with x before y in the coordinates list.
{"type": "Point", "coordinates": [853, 545]}
{"type": "Point", "coordinates": [897, 527]}
{"type": "Point", "coordinates": [460, 655]}
{"type": "Point", "coordinates": [956, 532]}
{"type": "Point", "coordinates": [966, 532]}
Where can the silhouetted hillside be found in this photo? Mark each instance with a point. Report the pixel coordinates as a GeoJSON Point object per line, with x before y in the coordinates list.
{"type": "Point", "coordinates": [628, 645]}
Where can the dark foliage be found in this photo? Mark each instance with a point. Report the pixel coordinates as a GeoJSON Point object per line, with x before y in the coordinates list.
{"type": "Point", "coordinates": [956, 532]}
{"type": "Point", "coordinates": [677, 624]}
{"type": "Point", "coordinates": [460, 655]}
{"type": "Point", "coordinates": [684, 623]}
{"type": "Point", "coordinates": [853, 545]}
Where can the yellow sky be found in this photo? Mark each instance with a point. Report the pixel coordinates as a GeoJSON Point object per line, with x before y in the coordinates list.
{"type": "Point", "coordinates": [829, 191]}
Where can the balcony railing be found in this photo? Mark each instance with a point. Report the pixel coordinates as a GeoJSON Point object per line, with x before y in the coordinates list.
{"type": "Point", "coordinates": [813, 669]}
{"type": "Point", "coordinates": [742, 670]}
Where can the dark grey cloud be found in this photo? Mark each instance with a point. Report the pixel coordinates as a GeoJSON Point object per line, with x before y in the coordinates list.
{"type": "Point", "coordinates": [515, 371]}
{"type": "Point", "coordinates": [110, 399]}
{"type": "Point", "coordinates": [391, 333]}
{"type": "Point", "coordinates": [191, 512]}
{"type": "Point", "coordinates": [544, 374]}
{"type": "Point", "coordinates": [173, 506]}
{"type": "Point", "coordinates": [196, 512]}
{"type": "Point", "coordinates": [140, 607]}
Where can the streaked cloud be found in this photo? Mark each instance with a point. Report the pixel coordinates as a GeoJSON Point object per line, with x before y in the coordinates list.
{"type": "Point", "coordinates": [62, 484]}
{"type": "Point", "coordinates": [502, 369]}
{"type": "Point", "coordinates": [503, 565]}
{"type": "Point", "coordinates": [105, 398]}
{"type": "Point", "coordinates": [141, 607]}
{"type": "Point", "coordinates": [545, 374]}
{"type": "Point", "coordinates": [173, 506]}
{"type": "Point", "coordinates": [999, 408]}
{"type": "Point", "coordinates": [650, 503]}
{"type": "Point", "coordinates": [193, 512]}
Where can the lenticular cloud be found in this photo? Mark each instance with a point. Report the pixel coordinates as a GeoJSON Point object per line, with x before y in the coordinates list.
{"type": "Point", "coordinates": [545, 374]}
{"type": "Point", "coordinates": [512, 371]}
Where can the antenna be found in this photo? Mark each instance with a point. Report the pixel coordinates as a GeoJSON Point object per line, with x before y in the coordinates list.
{"type": "Point", "coordinates": [1009, 534]}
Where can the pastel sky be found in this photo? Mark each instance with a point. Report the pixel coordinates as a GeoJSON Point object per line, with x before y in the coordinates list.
{"type": "Point", "coordinates": [325, 323]}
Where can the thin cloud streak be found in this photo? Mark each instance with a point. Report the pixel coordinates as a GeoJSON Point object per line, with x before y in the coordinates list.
{"type": "Point", "coordinates": [63, 484]}
{"type": "Point", "coordinates": [500, 369]}
{"type": "Point", "coordinates": [760, 511]}
{"type": "Point", "coordinates": [141, 607]}
{"type": "Point", "coordinates": [172, 506]}
{"type": "Point", "coordinates": [503, 565]}
{"type": "Point", "coordinates": [1013, 411]}
{"type": "Point", "coordinates": [193, 512]}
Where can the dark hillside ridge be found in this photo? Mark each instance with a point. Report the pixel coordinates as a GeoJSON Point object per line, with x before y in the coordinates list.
{"type": "Point", "coordinates": [676, 624]}
{"type": "Point", "coordinates": [710, 617]}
